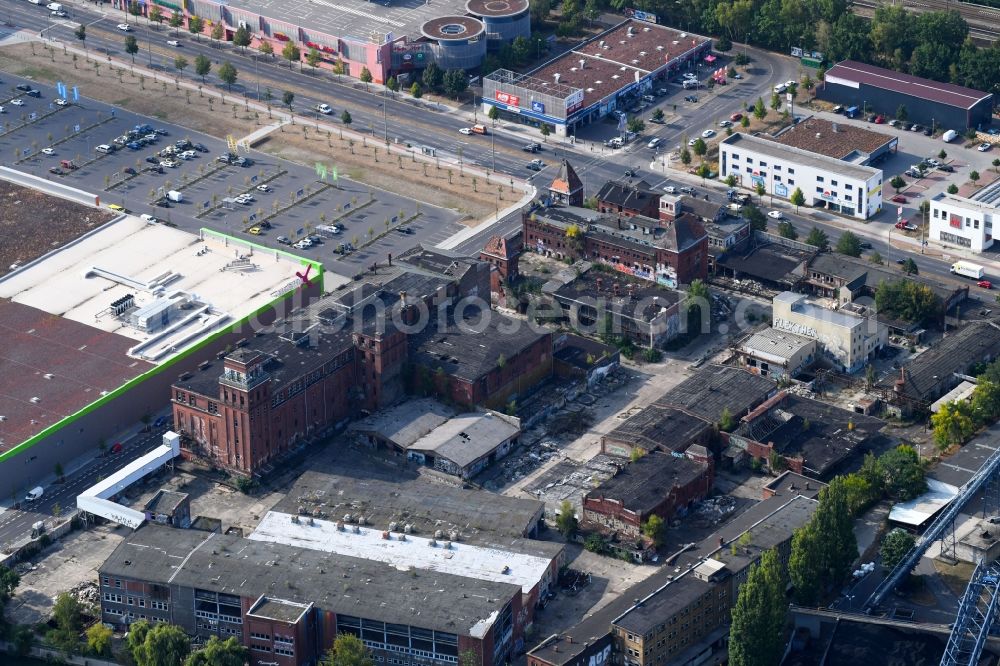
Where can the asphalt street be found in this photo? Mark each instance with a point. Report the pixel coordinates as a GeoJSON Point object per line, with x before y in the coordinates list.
{"type": "Point", "coordinates": [15, 524]}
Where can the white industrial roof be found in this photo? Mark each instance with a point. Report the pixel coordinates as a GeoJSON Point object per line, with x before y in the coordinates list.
{"type": "Point", "coordinates": [79, 281]}
{"type": "Point", "coordinates": [415, 552]}
{"type": "Point", "coordinates": [919, 510]}
{"type": "Point", "coordinates": [775, 345]}
{"type": "Point", "coordinates": [958, 394]}
{"type": "Point", "coordinates": [406, 423]}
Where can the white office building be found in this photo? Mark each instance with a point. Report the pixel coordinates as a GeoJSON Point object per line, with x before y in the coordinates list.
{"type": "Point", "coordinates": [960, 222]}
{"type": "Point", "coordinates": [846, 339]}
{"type": "Point", "coordinates": [843, 187]}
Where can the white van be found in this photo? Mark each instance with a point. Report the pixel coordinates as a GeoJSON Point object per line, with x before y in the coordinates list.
{"type": "Point", "coordinates": [105, 148]}
{"type": "Point", "coordinates": [949, 136]}
{"type": "Point", "coordinates": [691, 83]}
{"type": "Point", "coordinates": [34, 494]}
{"type": "Point", "coordinates": [175, 196]}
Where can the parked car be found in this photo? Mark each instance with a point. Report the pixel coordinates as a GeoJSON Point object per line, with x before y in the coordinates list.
{"type": "Point", "coordinates": [736, 117]}
{"type": "Point", "coordinates": [725, 123]}
{"type": "Point", "coordinates": [173, 42]}
{"type": "Point", "coordinates": [17, 102]}
{"type": "Point", "coordinates": [124, 27]}
{"type": "Point", "coordinates": [533, 167]}
{"type": "Point", "coordinates": [283, 240]}
{"type": "Point", "coordinates": [466, 131]}
{"type": "Point", "coordinates": [324, 108]}
{"type": "Point", "coordinates": [708, 134]}
{"type": "Point", "coordinates": [630, 173]}
{"type": "Point", "coordinates": [983, 147]}
{"type": "Point", "coordinates": [48, 151]}
{"type": "Point", "coordinates": [687, 189]}
{"type": "Point", "coordinates": [670, 189]}
{"type": "Point", "coordinates": [985, 284]}
{"type": "Point", "coordinates": [59, 101]}
{"type": "Point", "coordinates": [201, 148]}
{"type": "Point", "coordinates": [899, 198]}
{"type": "Point", "coordinates": [879, 120]}
{"type": "Point", "coordinates": [263, 188]}
{"type": "Point", "coordinates": [775, 214]}
{"type": "Point", "coordinates": [691, 98]}
{"type": "Point", "coordinates": [946, 168]}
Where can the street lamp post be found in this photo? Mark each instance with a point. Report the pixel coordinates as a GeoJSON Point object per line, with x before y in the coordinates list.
{"type": "Point", "coordinates": [493, 142]}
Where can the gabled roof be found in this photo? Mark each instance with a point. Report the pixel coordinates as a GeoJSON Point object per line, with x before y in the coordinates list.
{"type": "Point", "coordinates": [566, 181]}
{"type": "Point", "coordinates": [502, 248]}
{"type": "Point", "coordinates": [627, 194]}
{"type": "Point", "coordinates": [955, 353]}
{"type": "Point", "coordinates": [942, 93]}
{"type": "Point", "coordinates": [683, 233]}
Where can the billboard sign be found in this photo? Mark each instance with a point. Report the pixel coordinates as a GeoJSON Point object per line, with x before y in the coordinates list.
{"type": "Point", "coordinates": [509, 100]}
{"type": "Point", "coordinates": [574, 101]}
{"type": "Point", "coordinates": [640, 16]}
{"type": "Point", "coordinates": [780, 189]}
{"type": "Point", "coordinates": [537, 106]}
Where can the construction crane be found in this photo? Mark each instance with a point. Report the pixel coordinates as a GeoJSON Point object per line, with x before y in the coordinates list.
{"type": "Point", "coordinates": [976, 614]}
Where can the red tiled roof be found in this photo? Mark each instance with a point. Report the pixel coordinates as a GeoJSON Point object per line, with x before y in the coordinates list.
{"type": "Point", "coordinates": [566, 181]}
{"type": "Point", "coordinates": [497, 246]}
{"type": "Point", "coordinates": [907, 84]}
{"type": "Point", "coordinates": [82, 362]}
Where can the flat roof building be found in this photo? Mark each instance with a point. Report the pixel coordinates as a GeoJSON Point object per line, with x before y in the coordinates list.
{"type": "Point", "coordinates": [608, 72]}
{"type": "Point", "coordinates": [286, 601]}
{"type": "Point", "coordinates": [848, 340]}
{"type": "Point", "coordinates": [468, 443]}
{"type": "Point", "coordinates": [839, 140]}
{"type": "Point", "coordinates": [715, 388]}
{"type": "Point", "coordinates": [961, 223]}
{"type": "Point", "coordinates": [76, 351]}
{"type": "Point", "coordinates": [657, 428]}
{"type": "Point", "coordinates": [935, 104]}
{"type": "Point", "coordinates": [850, 189]}
{"type": "Point", "coordinates": [657, 483]}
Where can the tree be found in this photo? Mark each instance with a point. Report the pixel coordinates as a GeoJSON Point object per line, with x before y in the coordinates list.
{"type": "Point", "coordinates": [758, 617]}
{"type": "Point", "coordinates": [392, 84]}
{"type": "Point", "coordinates": [787, 230]}
{"type": "Point", "coordinates": [745, 122]}
{"type": "Point", "coordinates": [731, 180]}
{"type": "Point", "coordinates": [415, 91]}
{"type": "Point", "coordinates": [202, 66]}
{"type": "Point", "coordinates": [849, 244]}
{"type": "Point", "coordinates": [654, 530]}
{"type": "Point", "coordinates": [726, 421]}
{"type": "Point", "coordinates": [219, 653]}
{"type": "Point", "coordinates": [657, 114]}
{"type": "Point", "coordinates": [760, 190]}
{"type": "Point", "coordinates": [180, 63]}
{"type": "Point", "coordinates": [753, 215]}
{"type": "Point", "coordinates": [818, 238]}
{"type": "Point", "coordinates": [952, 188]}
{"type": "Point", "coordinates": [901, 113]}
{"type": "Point", "coordinates": [902, 473]}
{"type": "Point", "coordinates": [759, 110]}
{"type": "Point", "coordinates": [433, 77]}
{"type": "Point", "coordinates": [291, 53]}
{"type": "Point", "coordinates": [973, 176]}
{"type": "Point", "coordinates": [952, 424]}
{"type": "Point", "coordinates": [493, 114]}
{"type": "Point", "coordinates": [176, 21]}
{"type": "Point", "coordinates": [996, 164]}
{"type": "Point", "coordinates": [242, 37]}
{"type": "Point", "coordinates": [703, 172]}
{"type": "Point", "coordinates": [985, 401]}
{"type": "Point", "coordinates": [546, 131]}
{"type": "Point", "coordinates": [798, 198]}
{"type": "Point", "coordinates": [776, 101]}
{"type": "Point", "coordinates": [823, 549]}
{"type": "Point", "coordinates": [897, 183]}
{"type": "Point", "coordinates": [456, 82]}
{"type": "Point", "coordinates": [685, 156]}
{"type": "Point", "coordinates": [9, 580]}
{"type": "Point", "coordinates": [131, 46]}
{"type": "Point", "coordinates": [910, 267]}
{"type": "Point", "coordinates": [895, 545]}
{"type": "Point", "coordinates": [876, 258]}
{"type": "Point", "coordinates": [348, 650]}
{"type": "Point", "coordinates": [804, 565]}
{"type": "Point", "coordinates": [345, 117]}
{"type": "Point", "coordinates": [700, 147]}
{"type": "Point", "coordinates": [265, 48]}
{"type": "Point", "coordinates": [196, 25]}
{"type": "Point", "coordinates": [723, 44]}
{"type": "Point", "coordinates": [908, 300]}
{"type": "Point", "coordinates": [99, 639]}
{"type": "Point", "coordinates": [287, 98]}
{"type": "Point", "coordinates": [635, 125]}
{"type": "Point", "coordinates": [218, 31]}
{"type": "Point", "coordinates": [68, 616]}
{"type": "Point", "coordinates": [566, 520]}
{"type": "Point", "coordinates": [81, 34]}
{"type": "Point", "coordinates": [228, 74]}
{"type": "Point", "coordinates": [137, 632]}
{"type": "Point", "coordinates": [163, 645]}
{"type": "Point", "coordinates": [365, 76]}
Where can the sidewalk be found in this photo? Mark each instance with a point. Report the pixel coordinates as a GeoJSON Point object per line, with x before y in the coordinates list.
{"type": "Point", "coordinates": [871, 230]}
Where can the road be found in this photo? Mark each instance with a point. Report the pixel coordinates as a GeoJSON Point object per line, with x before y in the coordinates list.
{"type": "Point", "coordinates": [401, 118]}
{"type": "Point", "coordinates": [15, 524]}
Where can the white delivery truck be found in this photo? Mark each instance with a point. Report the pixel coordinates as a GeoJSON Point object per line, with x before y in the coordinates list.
{"type": "Point", "coordinates": [968, 269]}
{"type": "Point", "coordinates": [949, 136]}
{"type": "Point", "coordinates": [175, 196]}
{"type": "Point", "coordinates": [34, 494]}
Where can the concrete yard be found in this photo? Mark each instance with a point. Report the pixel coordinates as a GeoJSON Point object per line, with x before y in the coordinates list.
{"type": "Point", "coordinates": [69, 563]}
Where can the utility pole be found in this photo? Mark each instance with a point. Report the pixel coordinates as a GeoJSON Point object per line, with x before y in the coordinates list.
{"type": "Point", "coordinates": [493, 141]}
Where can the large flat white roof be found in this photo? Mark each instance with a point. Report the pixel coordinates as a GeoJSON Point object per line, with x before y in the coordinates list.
{"type": "Point", "coordinates": [461, 559]}
{"type": "Point", "coordinates": [81, 280]}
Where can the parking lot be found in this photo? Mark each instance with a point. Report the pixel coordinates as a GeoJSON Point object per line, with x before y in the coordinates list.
{"type": "Point", "coordinates": [363, 225]}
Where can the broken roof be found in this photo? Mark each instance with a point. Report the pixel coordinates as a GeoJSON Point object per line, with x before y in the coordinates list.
{"type": "Point", "coordinates": [644, 484]}
{"type": "Point", "coordinates": [717, 387]}
{"type": "Point", "coordinates": [660, 427]}
{"type": "Point", "coordinates": [468, 437]}
{"type": "Point", "coordinates": [976, 342]}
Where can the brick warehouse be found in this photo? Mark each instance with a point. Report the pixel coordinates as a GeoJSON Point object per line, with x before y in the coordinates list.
{"type": "Point", "coordinates": [340, 358]}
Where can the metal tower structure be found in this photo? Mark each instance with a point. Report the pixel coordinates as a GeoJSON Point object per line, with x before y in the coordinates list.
{"type": "Point", "coordinates": [944, 525]}
{"type": "Point", "coordinates": [977, 613]}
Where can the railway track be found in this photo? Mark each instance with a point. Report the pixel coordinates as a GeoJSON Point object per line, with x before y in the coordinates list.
{"type": "Point", "coordinates": [984, 22]}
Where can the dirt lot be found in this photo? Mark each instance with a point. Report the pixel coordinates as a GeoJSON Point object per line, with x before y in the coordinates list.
{"type": "Point", "coordinates": [413, 179]}
{"type": "Point", "coordinates": [116, 85]}
{"type": "Point", "coordinates": [69, 563]}
{"type": "Point", "coordinates": [20, 210]}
